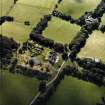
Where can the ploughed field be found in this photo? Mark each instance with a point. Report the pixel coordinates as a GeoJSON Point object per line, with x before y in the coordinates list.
{"type": "Point", "coordinates": [19, 90]}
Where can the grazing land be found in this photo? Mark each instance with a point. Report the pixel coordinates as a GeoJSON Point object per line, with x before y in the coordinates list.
{"type": "Point", "coordinates": [19, 90]}
{"type": "Point", "coordinates": [76, 92]}
{"type": "Point", "coordinates": [95, 46]}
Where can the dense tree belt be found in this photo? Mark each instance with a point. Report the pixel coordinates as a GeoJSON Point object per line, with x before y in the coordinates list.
{"type": "Point", "coordinates": [80, 21]}
{"type": "Point", "coordinates": [80, 40]}
{"type": "Point", "coordinates": [88, 64]}
{"type": "Point", "coordinates": [27, 71]}
{"type": "Point", "coordinates": [47, 91]}
{"type": "Point", "coordinates": [63, 16]}
{"type": "Point", "coordinates": [89, 22]}
{"type": "Point", "coordinates": [100, 10]}
{"type": "Point", "coordinates": [3, 19]}
{"type": "Point", "coordinates": [92, 23]}
{"type": "Point", "coordinates": [36, 35]}
{"type": "Point", "coordinates": [7, 47]}
{"type": "Point", "coordinates": [85, 75]}
{"type": "Point", "coordinates": [42, 24]}
{"type": "Point", "coordinates": [46, 42]}
{"type": "Point", "coordinates": [97, 13]}
{"type": "Point", "coordinates": [92, 66]}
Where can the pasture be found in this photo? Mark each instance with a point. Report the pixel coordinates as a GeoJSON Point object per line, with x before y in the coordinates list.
{"type": "Point", "coordinates": [16, 89]}
{"type": "Point", "coordinates": [76, 8]}
{"type": "Point", "coordinates": [5, 6]}
{"type": "Point", "coordinates": [61, 31]}
{"type": "Point", "coordinates": [72, 91]}
{"type": "Point", "coordinates": [95, 46]}
{"type": "Point", "coordinates": [19, 90]}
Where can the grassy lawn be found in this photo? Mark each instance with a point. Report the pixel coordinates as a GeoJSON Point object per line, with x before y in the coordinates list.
{"type": "Point", "coordinates": [17, 89]}
{"type": "Point", "coordinates": [72, 7]}
{"type": "Point", "coordinates": [61, 31]}
{"type": "Point", "coordinates": [95, 46]}
{"type": "Point", "coordinates": [76, 92]}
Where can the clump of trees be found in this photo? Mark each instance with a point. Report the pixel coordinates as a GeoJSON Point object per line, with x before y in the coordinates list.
{"type": "Point", "coordinates": [6, 18]}
{"type": "Point", "coordinates": [65, 56]}
{"type": "Point", "coordinates": [89, 22]}
{"type": "Point", "coordinates": [31, 47]}
{"type": "Point", "coordinates": [7, 47]}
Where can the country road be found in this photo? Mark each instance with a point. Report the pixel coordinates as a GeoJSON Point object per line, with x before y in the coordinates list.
{"type": "Point", "coordinates": [50, 82]}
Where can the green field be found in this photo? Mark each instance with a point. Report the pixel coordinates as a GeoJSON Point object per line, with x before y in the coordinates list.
{"type": "Point", "coordinates": [76, 92]}
{"type": "Point", "coordinates": [6, 6]}
{"type": "Point", "coordinates": [16, 89]}
{"type": "Point", "coordinates": [16, 30]}
{"type": "Point", "coordinates": [75, 8]}
{"type": "Point", "coordinates": [19, 90]}
{"type": "Point", "coordinates": [22, 13]}
{"type": "Point", "coordinates": [49, 4]}
{"type": "Point", "coordinates": [61, 31]}
{"type": "Point", "coordinates": [95, 46]}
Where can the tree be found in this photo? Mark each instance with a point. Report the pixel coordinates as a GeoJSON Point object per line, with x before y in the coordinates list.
{"type": "Point", "coordinates": [65, 56]}
{"type": "Point", "coordinates": [42, 86]}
